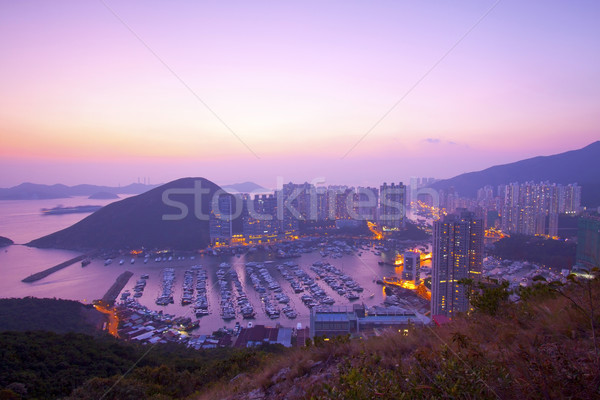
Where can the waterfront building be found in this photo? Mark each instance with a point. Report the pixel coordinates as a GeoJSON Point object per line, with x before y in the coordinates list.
{"type": "Point", "coordinates": [412, 267]}
{"type": "Point", "coordinates": [335, 321]}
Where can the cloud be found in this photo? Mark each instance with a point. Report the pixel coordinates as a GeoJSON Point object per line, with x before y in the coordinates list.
{"type": "Point", "coordinates": [444, 142]}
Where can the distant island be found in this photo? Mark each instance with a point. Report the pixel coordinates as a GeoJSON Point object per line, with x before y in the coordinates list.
{"type": "Point", "coordinates": [104, 196]}
{"type": "Point", "coordinates": [33, 191]}
{"type": "Point", "coordinates": [5, 241]}
{"type": "Point", "coordinates": [245, 187]}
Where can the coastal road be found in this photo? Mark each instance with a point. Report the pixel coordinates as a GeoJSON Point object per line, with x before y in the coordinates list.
{"type": "Point", "coordinates": [113, 320]}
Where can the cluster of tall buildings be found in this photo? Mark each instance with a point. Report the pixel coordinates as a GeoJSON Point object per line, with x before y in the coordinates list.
{"type": "Point", "coordinates": [533, 209]}
{"type": "Point", "coordinates": [457, 255]}
{"type": "Point", "coordinates": [527, 208]}
{"type": "Point", "coordinates": [270, 217]}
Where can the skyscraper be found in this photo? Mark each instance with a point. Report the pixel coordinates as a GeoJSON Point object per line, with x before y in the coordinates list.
{"type": "Point", "coordinates": [392, 205]}
{"type": "Point", "coordinates": [220, 223]}
{"type": "Point", "coordinates": [457, 254]}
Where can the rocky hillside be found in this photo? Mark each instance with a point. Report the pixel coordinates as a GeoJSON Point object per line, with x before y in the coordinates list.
{"type": "Point", "coordinates": [540, 347]}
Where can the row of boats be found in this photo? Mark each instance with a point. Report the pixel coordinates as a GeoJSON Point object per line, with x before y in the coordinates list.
{"type": "Point", "coordinates": [138, 289]}
{"type": "Point", "coordinates": [264, 283]}
{"type": "Point", "coordinates": [300, 280]}
{"type": "Point", "coordinates": [229, 299]}
{"type": "Point", "coordinates": [165, 297]}
{"type": "Point", "coordinates": [201, 301]}
{"type": "Point", "coordinates": [343, 284]}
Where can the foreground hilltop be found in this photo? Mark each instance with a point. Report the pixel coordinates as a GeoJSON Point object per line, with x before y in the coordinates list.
{"type": "Point", "coordinates": [143, 221]}
{"type": "Point", "coordinates": [540, 347]}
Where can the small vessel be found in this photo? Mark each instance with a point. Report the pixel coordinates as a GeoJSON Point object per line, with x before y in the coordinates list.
{"type": "Point", "coordinates": [85, 262]}
{"type": "Point", "coordinates": [108, 261]}
{"type": "Point", "coordinates": [121, 262]}
{"type": "Point", "coordinates": [70, 210]}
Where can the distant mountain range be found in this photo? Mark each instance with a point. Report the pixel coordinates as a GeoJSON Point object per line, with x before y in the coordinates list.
{"type": "Point", "coordinates": [147, 220]}
{"type": "Point", "coordinates": [245, 187]}
{"type": "Point", "coordinates": [578, 166]}
{"type": "Point", "coordinates": [33, 191]}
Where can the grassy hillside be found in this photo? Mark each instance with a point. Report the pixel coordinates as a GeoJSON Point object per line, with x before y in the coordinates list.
{"type": "Point", "coordinates": [539, 347]}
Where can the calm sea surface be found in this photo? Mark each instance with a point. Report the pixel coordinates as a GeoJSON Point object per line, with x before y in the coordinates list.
{"type": "Point", "coordinates": [22, 221]}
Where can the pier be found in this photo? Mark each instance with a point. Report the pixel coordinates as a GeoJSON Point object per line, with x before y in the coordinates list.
{"type": "Point", "coordinates": [112, 293]}
{"type": "Point", "coordinates": [42, 274]}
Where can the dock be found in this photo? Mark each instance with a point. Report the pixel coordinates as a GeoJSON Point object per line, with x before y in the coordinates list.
{"type": "Point", "coordinates": [42, 274]}
{"type": "Point", "coordinates": [112, 293]}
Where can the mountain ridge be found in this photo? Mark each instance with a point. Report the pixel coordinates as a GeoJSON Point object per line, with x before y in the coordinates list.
{"type": "Point", "coordinates": [573, 166]}
{"type": "Point", "coordinates": [36, 191]}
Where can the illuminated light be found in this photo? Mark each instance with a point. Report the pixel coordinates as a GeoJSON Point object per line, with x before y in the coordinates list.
{"type": "Point", "coordinates": [378, 235]}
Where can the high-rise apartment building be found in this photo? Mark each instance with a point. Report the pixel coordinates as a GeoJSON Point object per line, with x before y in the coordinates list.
{"type": "Point", "coordinates": [412, 267]}
{"type": "Point", "coordinates": [220, 222]}
{"type": "Point", "coordinates": [392, 205]}
{"type": "Point", "coordinates": [532, 208]}
{"type": "Point", "coordinates": [457, 254]}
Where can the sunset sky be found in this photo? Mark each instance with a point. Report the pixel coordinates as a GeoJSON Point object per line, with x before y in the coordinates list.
{"type": "Point", "coordinates": [105, 92]}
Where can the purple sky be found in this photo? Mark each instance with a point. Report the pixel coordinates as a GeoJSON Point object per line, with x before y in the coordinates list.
{"type": "Point", "coordinates": [82, 99]}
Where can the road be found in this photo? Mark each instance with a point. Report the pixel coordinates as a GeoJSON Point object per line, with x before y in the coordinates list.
{"type": "Point", "coordinates": [113, 319]}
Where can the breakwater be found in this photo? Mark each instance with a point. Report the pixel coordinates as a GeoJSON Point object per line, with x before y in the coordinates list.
{"type": "Point", "coordinates": [42, 274]}
{"type": "Point", "coordinates": [112, 293]}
